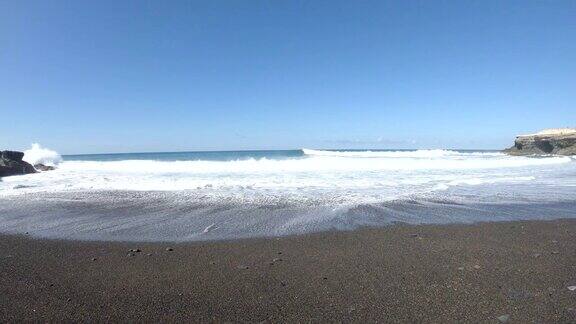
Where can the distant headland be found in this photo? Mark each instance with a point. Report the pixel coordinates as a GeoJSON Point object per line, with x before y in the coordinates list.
{"type": "Point", "coordinates": [557, 141]}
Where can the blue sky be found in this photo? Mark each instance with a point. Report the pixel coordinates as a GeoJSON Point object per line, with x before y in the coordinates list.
{"type": "Point", "coordinates": [130, 76]}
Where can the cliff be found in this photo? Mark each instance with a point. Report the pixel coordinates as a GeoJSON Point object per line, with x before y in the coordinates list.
{"type": "Point", "coordinates": [550, 141]}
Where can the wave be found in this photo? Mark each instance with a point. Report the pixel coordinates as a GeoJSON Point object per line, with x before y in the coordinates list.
{"type": "Point", "coordinates": [397, 154]}
{"type": "Point", "coordinates": [39, 155]}
{"type": "Point", "coordinates": [325, 164]}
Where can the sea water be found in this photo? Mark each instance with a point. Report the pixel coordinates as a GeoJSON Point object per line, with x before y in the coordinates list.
{"type": "Point", "coordinates": [223, 195]}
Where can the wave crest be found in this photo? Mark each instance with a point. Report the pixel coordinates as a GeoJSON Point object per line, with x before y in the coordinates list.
{"type": "Point", "coordinates": [395, 154]}
{"type": "Point", "coordinates": [39, 155]}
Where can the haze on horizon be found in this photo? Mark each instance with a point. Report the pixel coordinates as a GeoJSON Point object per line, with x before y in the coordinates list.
{"type": "Point", "coordinates": [135, 76]}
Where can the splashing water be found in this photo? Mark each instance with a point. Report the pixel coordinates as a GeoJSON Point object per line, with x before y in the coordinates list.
{"type": "Point", "coordinates": [39, 155]}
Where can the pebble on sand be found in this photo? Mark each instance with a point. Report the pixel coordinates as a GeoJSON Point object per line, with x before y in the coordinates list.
{"type": "Point", "coordinates": [477, 267]}
{"type": "Point", "coordinates": [169, 249]}
{"type": "Point", "coordinates": [94, 259]}
{"type": "Point", "coordinates": [135, 250]}
{"type": "Point", "coordinates": [571, 288]}
{"type": "Point", "coordinates": [243, 267]}
{"type": "Point", "coordinates": [503, 318]}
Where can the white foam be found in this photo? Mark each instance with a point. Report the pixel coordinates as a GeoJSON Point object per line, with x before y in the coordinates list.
{"type": "Point", "coordinates": [397, 154]}
{"type": "Point", "coordinates": [39, 155]}
{"type": "Point", "coordinates": [344, 174]}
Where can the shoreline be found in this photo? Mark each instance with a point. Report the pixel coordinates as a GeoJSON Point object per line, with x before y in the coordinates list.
{"type": "Point", "coordinates": [404, 273]}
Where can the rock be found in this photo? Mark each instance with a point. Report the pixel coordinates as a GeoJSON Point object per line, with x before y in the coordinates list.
{"type": "Point", "coordinates": [571, 288]}
{"type": "Point", "coordinates": [135, 250]}
{"type": "Point", "coordinates": [277, 260]}
{"type": "Point", "coordinates": [131, 254]}
{"type": "Point", "coordinates": [12, 155]}
{"type": "Point", "coordinates": [560, 141]}
{"type": "Point", "coordinates": [504, 318]}
{"type": "Point", "coordinates": [243, 267]}
{"type": "Point", "coordinates": [94, 259]}
{"type": "Point", "coordinates": [42, 167]}
{"type": "Point", "coordinates": [11, 164]}
{"type": "Point", "coordinates": [169, 249]}
{"type": "Point", "coordinates": [477, 267]}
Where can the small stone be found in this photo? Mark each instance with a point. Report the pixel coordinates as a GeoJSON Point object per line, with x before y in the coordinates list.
{"type": "Point", "coordinates": [149, 254]}
{"type": "Point", "coordinates": [169, 249]}
{"type": "Point", "coordinates": [554, 241]}
{"type": "Point", "coordinates": [571, 288]}
{"type": "Point", "coordinates": [504, 318]}
{"type": "Point", "coordinates": [94, 259]}
{"type": "Point", "coordinates": [277, 260]}
{"type": "Point", "coordinates": [536, 255]}
{"type": "Point", "coordinates": [414, 235]}
{"type": "Point", "coordinates": [325, 278]}
{"type": "Point", "coordinates": [477, 267]}
{"type": "Point", "coordinates": [243, 267]}
{"type": "Point", "coordinates": [131, 254]}
{"type": "Point", "coordinates": [555, 252]}
{"type": "Point", "coordinates": [279, 252]}
{"type": "Point", "coordinates": [460, 268]}
{"type": "Point", "coordinates": [212, 262]}
{"type": "Point", "coordinates": [283, 284]}
{"type": "Point", "coordinates": [135, 250]}
{"type": "Point", "coordinates": [69, 299]}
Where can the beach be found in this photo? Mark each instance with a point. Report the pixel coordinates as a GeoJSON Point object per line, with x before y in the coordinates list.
{"type": "Point", "coordinates": [487, 272]}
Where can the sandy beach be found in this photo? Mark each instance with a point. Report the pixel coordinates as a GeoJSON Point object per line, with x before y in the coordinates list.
{"type": "Point", "coordinates": [510, 271]}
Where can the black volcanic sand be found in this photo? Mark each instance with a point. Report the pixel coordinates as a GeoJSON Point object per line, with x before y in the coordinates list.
{"type": "Point", "coordinates": [454, 273]}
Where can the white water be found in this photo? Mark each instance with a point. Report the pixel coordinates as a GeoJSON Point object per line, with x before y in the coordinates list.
{"type": "Point", "coordinates": [39, 155]}
{"type": "Point", "coordinates": [185, 200]}
{"type": "Point", "coordinates": [390, 173]}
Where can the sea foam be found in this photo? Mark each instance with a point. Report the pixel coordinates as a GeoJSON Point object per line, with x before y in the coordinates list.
{"type": "Point", "coordinates": [39, 155]}
{"type": "Point", "coordinates": [263, 194]}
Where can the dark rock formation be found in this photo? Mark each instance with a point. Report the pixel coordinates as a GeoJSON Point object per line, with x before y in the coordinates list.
{"type": "Point", "coordinates": [11, 164]}
{"type": "Point", "coordinates": [558, 142]}
{"type": "Point", "coordinates": [42, 167]}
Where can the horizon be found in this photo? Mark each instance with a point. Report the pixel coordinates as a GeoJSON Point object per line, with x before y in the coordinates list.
{"type": "Point", "coordinates": [281, 150]}
{"type": "Point", "coordinates": [109, 77]}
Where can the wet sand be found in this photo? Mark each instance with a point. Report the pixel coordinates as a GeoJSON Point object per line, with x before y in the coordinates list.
{"type": "Point", "coordinates": [518, 271]}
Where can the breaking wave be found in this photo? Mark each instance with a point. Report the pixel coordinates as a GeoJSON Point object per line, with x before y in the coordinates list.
{"type": "Point", "coordinates": [39, 155]}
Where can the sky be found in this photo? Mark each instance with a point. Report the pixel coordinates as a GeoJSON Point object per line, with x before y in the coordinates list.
{"type": "Point", "coordinates": [138, 76]}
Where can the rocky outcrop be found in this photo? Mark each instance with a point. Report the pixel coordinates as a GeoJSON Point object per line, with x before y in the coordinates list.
{"type": "Point", "coordinates": [42, 167]}
{"type": "Point", "coordinates": [11, 164]}
{"type": "Point", "coordinates": [551, 141]}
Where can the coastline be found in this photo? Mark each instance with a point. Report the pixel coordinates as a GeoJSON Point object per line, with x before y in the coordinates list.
{"type": "Point", "coordinates": [400, 273]}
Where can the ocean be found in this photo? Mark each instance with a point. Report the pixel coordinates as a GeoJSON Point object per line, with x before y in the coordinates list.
{"type": "Point", "coordinates": [186, 196]}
